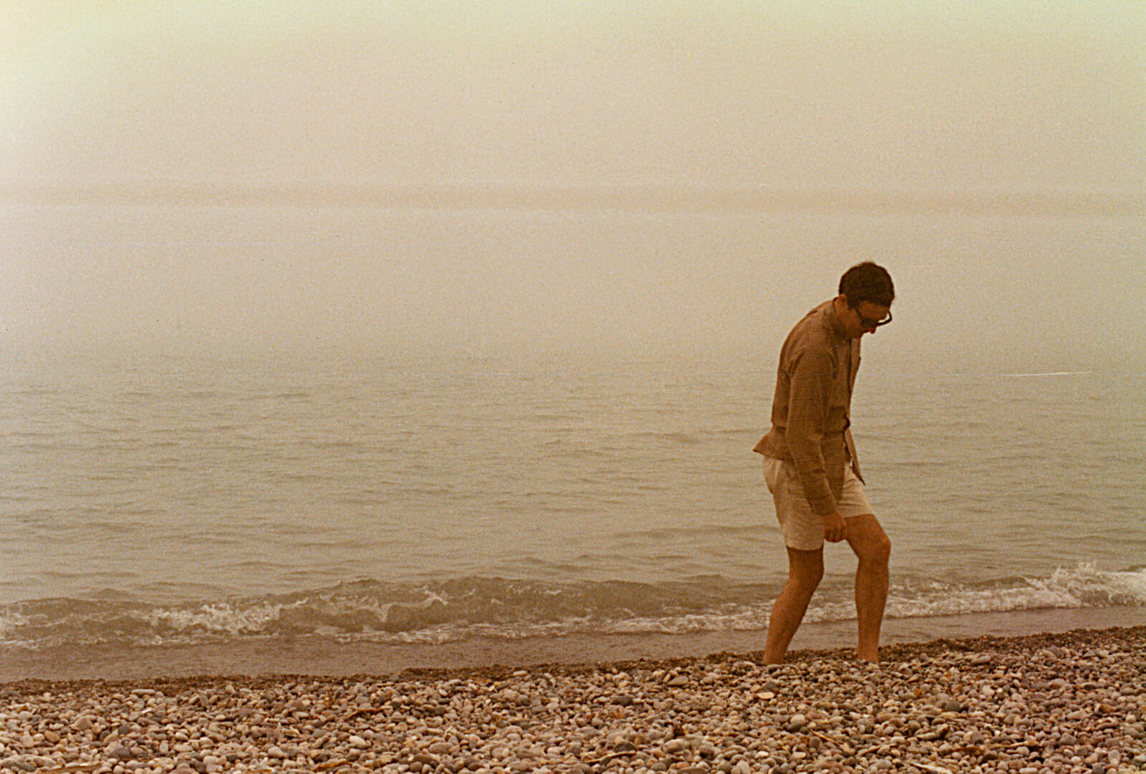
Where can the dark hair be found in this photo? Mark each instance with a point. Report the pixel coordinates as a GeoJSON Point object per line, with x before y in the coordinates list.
{"type": "Point", "coordinates": [867, 282]}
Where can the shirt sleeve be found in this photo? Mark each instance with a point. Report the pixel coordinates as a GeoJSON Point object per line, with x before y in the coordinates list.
{"type": "Point", "coordinates": [812, 378]}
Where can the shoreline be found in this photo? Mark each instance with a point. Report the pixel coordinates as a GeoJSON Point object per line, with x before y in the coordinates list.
{"type": "Point", "coordinates": [326, 656]}
{"type": "Point", "coordinates": [1052, 702]}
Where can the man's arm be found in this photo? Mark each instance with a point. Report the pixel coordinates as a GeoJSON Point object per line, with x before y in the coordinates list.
{"type": "Point", "coordinates": [811, 379]}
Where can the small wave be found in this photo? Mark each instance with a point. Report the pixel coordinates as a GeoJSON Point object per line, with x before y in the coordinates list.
{"type": "Point", "coordinates": [690, 531]}
{"type": "Point", "coordinates": [1050, 373]}
{"type": "Point", "coordinates": [1081, 587]}
{"type": "Point", "coordinates": [462, 608]}
{"type": "Point", "coordinates": [669, 436]}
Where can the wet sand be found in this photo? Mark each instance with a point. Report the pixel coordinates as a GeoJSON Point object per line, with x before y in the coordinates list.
{"type": "Point", "coordinates": [327, 656]}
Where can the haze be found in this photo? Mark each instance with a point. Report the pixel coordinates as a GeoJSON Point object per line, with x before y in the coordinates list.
{"type": "Point", "coordinates": [344, 174]}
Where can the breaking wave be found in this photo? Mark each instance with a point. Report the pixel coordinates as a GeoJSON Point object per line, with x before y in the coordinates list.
{"type": "Point", "coordinates": [461, 608]}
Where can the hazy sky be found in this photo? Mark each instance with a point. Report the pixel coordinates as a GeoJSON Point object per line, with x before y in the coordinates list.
{"type": "Point", "coordinates": [225, 171]}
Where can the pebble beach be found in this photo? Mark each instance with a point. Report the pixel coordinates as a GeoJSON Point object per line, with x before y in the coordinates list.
{"type": "Point", "coordinates": [1069, 702]}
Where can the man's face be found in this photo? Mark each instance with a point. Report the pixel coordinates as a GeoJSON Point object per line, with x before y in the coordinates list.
{"type": "Point", "coordinates": [863, 318]}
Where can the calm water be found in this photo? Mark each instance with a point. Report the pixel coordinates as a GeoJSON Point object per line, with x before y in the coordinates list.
{"type": "Point", "coordinates": [426, 499]}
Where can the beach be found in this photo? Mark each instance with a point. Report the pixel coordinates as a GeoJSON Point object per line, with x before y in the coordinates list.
{"type": "Point", "coordinates": [381, 385]}
{"type": "Point", "coordinates": [1070, 701]}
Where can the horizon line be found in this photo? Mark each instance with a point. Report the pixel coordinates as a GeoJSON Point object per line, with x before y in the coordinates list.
{"type": "Point", "coordinates": [656, 197]}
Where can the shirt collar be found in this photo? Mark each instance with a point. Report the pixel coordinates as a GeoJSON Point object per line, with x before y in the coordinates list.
{"type": "Point", "coordinates": [834, 323]}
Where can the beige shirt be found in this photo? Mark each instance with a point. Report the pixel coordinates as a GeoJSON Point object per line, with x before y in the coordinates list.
{"type": "Point", "coordinates": [811, 409]}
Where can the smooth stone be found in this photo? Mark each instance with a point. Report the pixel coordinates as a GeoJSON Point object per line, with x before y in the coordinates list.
{"type": "Point", "coordinates": [796, 722]}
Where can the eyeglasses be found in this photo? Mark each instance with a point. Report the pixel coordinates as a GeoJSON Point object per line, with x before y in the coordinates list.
{"type": "Point", "coordinates": [866, 323]}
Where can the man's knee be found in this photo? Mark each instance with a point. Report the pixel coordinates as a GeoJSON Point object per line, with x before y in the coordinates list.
{"type": "Point", "coordinates": [808, 578]}
{"type": "Point", "coordinates": [881, 550]}
{"type": "Point", "coordinates": [869, 541]}
{"type": "Point", "coordinates": [805, 569]}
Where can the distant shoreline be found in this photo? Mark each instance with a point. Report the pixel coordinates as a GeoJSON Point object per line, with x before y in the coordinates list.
{"type": "Point", "coordinates": [1067, 203]}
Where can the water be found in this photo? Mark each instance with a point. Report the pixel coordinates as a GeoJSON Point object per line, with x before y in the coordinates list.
{"type": "Point", "coordinates": [437, 498]}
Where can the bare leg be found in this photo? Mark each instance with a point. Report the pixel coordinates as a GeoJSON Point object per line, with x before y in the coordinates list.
{"type": "Point", "coordinates": [805, 570]}
{"type": "Point", "coordinates": [873, 549]}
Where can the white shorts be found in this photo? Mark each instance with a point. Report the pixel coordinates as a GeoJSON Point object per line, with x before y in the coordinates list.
{"type": "Point", "coordinates": [803, 529]}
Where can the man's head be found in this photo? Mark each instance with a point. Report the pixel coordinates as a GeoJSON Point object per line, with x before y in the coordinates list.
{"type": "Point", "coordinates": [864, 302]}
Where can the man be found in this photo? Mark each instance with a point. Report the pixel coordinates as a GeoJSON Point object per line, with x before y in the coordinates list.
{"type": "Point", "coordinates": [810, 462]}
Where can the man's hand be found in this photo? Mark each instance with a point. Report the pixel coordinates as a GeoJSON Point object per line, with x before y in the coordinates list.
{"type": "Point", "coordinates": [835, 529]}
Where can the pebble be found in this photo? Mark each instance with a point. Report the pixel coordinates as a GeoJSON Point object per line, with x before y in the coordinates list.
{"type": "Point", "coordinates": [1072, 703]}
{"type": "Point", "coordinates": [796, 723]}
